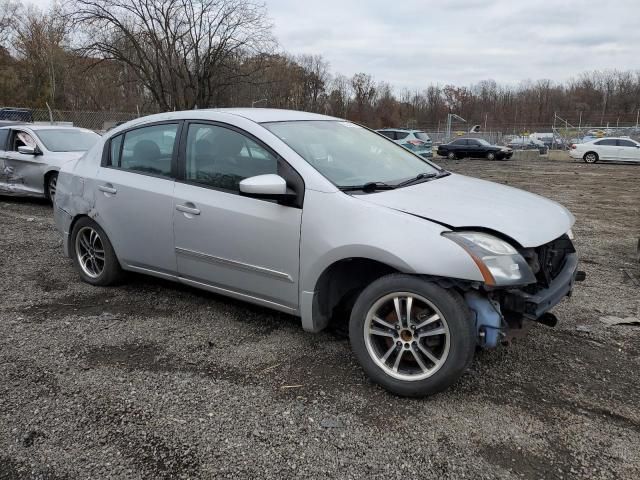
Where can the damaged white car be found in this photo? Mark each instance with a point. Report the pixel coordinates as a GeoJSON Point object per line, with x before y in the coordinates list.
{"type": "Point", "coordinates": [31, 155]}
{"type": "Point", "coordinates": [320, 217]}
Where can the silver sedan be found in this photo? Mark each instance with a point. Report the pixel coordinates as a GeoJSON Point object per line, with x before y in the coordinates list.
{"type": "Point", "coordinates": [31, 156]}
{"type": "Point", "coordinates": [326, 220]}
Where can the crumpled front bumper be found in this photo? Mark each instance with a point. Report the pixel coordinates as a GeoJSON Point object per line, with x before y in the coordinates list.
{"type": "Point", "coordinates": [534, 305]}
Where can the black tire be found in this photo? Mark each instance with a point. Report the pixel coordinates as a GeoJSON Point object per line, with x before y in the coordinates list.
{"type": "Point", "coordinates": [462, 335]}
{"type": "Point", "coordinates": [452, 156]}
{"type": "Point", "coordinates": [590, 157]}
{"type": "Point", "coordinates": [50, 184]}
{"type": "Point", "coordinates": [111, 272]}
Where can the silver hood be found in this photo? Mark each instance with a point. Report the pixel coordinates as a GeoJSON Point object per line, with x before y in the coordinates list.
{"type": "Point", "coordinates": [463, 202]}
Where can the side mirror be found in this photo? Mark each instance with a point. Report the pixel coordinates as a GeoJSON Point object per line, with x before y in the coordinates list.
{"type": "Point", "coordinates": [268, 187]}
{"type": "Point", "coordinates": [28, 150]}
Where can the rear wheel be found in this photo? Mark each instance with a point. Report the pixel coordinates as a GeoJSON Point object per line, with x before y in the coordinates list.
{"type": "Point", "coordinates": [452, 156]}
{"type": "Point", "coordinates": [93, 255]}
{"type": "Point", "coordinates": [590, 157]}
{"type": "Point", "coordinates": [411, 336]}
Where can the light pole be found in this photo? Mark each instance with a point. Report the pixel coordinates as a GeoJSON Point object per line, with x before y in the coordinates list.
{"type": "Point", "coordinates": [450, 117]}
{"type": "Point", "coordinates": [253, 104]}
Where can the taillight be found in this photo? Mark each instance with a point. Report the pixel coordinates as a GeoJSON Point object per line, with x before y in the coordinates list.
{"type": "Point", "coordinates": [573, 146]}
{"type": "Point", "coordinates": [416, 143]}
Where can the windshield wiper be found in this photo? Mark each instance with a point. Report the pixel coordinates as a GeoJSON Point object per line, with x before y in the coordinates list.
{"type": "Point", "coordinates": [368, 187]}
{"type": "Point", "coordinates": [421, 177]}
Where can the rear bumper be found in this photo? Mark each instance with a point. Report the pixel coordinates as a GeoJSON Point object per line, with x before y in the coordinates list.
{"type": "Point", "coordinates": [533, 306]}
{"type": "Point", "coordinates": [63, 223]}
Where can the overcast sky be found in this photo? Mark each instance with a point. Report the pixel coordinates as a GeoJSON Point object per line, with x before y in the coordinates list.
{"type": "Point", "coordinates": [411, 43]}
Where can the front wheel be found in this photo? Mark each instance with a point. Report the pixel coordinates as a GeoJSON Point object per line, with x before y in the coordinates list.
{"type": "Point", "coordinates": [93, 255]}
{"type": "Point", "coordinates": [491, 156]}
{"type": "Point", "coordinates": [50, 187]}
{"type": "Point", "coordinates": [411, 336]}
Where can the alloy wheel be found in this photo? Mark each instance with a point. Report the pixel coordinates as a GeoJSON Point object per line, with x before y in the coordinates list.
{"type": "Point", "coordinates": [90, 252]}
{"type": "Point", "coordinates": [590, 158]}
{"type": "Point", "coordinates": [406, 336]}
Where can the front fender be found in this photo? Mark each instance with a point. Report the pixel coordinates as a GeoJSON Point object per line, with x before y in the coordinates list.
{"type": "Point", "coordinates": [360, 229]}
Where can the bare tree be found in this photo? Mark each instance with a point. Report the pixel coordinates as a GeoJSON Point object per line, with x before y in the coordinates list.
{"type": "Point", "coordinates": [9, 13]}
{"type": "Point", "coordinates": [39, 42]}
{"type": "Point", "coordinates": [185, 52]}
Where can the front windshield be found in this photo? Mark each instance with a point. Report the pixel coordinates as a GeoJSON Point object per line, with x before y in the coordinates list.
{"type": "Point", "coordinates": [67, 139]}
{"type": "Point", "coordinates": [348, 154]}
{"type": "Point", "coordinates": [483, 141]}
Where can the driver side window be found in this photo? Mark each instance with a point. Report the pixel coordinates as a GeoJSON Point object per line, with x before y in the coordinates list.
{"type": "Point", "coordinates": [221, 158]}
{"type": "Point", "coordinates": [21, 139]}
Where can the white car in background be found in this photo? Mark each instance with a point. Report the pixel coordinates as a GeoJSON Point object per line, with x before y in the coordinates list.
{"type": "Point", "coordinates": [607, 149]}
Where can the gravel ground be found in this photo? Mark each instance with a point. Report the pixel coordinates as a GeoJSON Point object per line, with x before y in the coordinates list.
{"type": "Point", "coordinates": [155, 380]}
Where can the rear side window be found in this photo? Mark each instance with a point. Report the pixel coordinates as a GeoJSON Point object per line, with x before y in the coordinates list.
{"type": "Point", "coordinates": [4, 134]}
{"type": "Point", "coordinates": [626, 143]}
{"type": "Point", "coordinates": [401, 135]}
{"type": "Point", "coordinates": [145, 150]}
{"type": "Point", "coordinates": [387, 134]}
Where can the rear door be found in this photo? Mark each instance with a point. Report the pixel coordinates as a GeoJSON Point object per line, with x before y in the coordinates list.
{"type": "Point", "coordinates": [607, 149]}
{"type": "Point", "coordinates": [134, 195]}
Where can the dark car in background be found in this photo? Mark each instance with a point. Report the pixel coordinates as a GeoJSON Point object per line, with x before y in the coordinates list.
{"type": "Point", "coordinates": [473, 148]}
{"type": "Point", "coordinates": [16, 115]}
{"type": "Point", "coordinates": [415, 141]}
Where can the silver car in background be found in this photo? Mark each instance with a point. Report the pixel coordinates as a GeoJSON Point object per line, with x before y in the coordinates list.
{"type": "Point", "coordinates": [31, 155]}
{"type": "Point", "coordinates": [326, 220]}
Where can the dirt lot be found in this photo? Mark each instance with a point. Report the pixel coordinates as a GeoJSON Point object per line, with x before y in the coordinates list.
{"type": "Point", "coordinates": [155, 380]}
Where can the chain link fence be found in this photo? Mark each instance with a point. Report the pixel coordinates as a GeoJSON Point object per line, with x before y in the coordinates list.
{"type": "Point", "coordinates": [99, 121]}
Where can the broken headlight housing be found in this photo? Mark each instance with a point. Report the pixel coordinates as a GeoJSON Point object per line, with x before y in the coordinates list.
{"type": "Point", "coordinates": [499, 263]}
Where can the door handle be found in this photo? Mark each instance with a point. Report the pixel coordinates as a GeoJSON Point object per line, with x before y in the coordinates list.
{"type": "Point", "coordinates": [108, 188]}
{"type": "Point", "coordinates": [189, 208]}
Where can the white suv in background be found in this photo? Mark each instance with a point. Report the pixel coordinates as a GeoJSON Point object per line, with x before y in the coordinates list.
{"type": "Point", "coordinates": [611, 149]}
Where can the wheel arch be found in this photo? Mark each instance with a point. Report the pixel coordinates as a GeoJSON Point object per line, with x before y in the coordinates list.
{"type": "Point", "coordinates": [72, 225]}
{"type": "Point", "coordinates": [337, 287]}
{"type": "Point", "coordinates": [47, 176]}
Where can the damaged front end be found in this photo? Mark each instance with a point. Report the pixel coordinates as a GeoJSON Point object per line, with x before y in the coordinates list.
{"type": "Point", "coordinates": [520, 284]}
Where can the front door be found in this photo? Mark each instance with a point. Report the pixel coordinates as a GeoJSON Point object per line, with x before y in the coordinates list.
{"type": "Point", "coordinates": [628, 150]}
{"type": "Point", "coordinates": [238, 245]}
{"type": "Point", "coordinates": [134, 195]}
{"type": "Point", "coordinates": [22, 172]}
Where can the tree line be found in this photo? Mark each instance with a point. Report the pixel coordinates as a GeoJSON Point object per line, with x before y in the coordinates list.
{"type": "Point", "coordinates": [159, 55]}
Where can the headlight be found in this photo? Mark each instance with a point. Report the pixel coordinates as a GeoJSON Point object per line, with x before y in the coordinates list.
{"type": "Point", "coordinates": [499, 263]}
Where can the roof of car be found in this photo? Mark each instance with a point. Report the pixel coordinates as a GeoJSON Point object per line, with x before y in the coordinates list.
{"type": "Point", "coordinates": [410, 130]}
{"type": "Point", "coordinates": [610, 138]}
{"type": "Point", "coordinates": [37, 126]}
{"type": "Point", "coordinates": [258, 115]}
